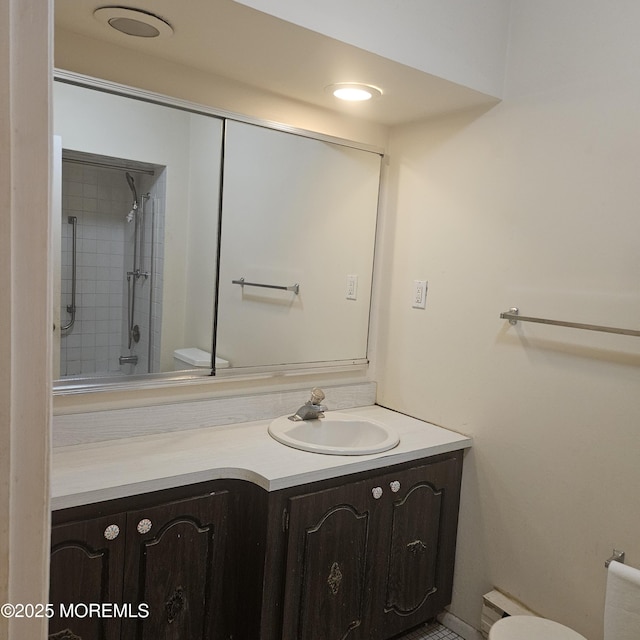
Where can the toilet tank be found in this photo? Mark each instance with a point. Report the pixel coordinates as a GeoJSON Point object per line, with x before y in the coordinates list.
{"type": "Point", "coordinates": [194, 358]}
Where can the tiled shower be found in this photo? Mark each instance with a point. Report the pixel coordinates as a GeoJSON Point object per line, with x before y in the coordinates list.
{"type": "Point", "coordinates": [100, 199]}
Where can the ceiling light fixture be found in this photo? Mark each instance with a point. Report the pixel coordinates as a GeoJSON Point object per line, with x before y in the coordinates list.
{"type": "Point", "coordinates": [134, 22]}
{"type": "Point", "coordinates": [354, 91]}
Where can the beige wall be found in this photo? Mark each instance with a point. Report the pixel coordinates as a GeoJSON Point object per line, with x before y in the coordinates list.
{"type": "Point", "coordinates": [464, 41]}
{"type": "Point", "coordinates": [117, 64]}
{"type": "Point", "coordinates": [101, 60]}
{"type": "Point", "coordinates": [26, 317]}
{"type": "Point", "coordinates": [535, 204]}
{"type": "Point", "coordinates": [205, 146]}
{"type": "Point", "coordinates": [100, 123]}
{"type": "Point", "coordinates": [308, 225]}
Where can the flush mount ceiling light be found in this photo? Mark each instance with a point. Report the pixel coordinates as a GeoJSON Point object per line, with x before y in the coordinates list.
{"type": "Point", "coordinates": [354, 91]}
{"type": "Point", "coordinates": [134, 22]}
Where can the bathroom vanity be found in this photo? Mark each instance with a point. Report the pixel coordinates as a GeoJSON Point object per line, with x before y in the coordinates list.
{"type": "Point", "coordinates": [226, 533]}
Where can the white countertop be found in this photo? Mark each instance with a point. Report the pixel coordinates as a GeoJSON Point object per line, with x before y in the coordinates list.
{"type": "Point", "coordinates": [87, 473]}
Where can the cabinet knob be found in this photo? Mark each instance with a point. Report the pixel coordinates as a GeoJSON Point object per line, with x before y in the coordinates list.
{"type": "Point", "coordinates": [144, 526]}
{"type": "Point", "coordinates": [112, 532]}
{"type": "Point", "coordinates": [377, 492]}
{"type": "Point", "coordinates": [395, 486]}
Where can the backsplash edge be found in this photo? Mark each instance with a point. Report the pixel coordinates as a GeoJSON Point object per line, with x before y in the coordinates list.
{"type": "Point", "coordinates": [114, 424]}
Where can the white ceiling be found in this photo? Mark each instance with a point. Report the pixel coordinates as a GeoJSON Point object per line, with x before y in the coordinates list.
{"type": "Point", "coordinates": [231, 40]}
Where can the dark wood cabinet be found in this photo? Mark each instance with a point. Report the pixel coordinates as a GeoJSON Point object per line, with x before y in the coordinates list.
{"type": "Point", "coordinates": [174, 565]}
{"type": "Point", "coordinates": [160, 567]}
{"type": "Point", "coordinates": [419, 531]}
{"type": "Point", "coordinates": [372, 558]}
{"type": "Point", "coordinates": [329, 564]}
{"type": "Point", "coordinates": [360, 557]}
{"type": "Point", "coordinates": [86, 567]}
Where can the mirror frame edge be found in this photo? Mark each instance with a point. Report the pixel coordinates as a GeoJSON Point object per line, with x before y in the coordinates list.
{"type": "Point", "coordinates": [178, 380]}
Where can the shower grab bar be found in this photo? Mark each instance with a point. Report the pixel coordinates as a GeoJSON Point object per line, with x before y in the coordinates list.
{"type": "Point", "coordinates": [292, 287]}
{"type": "Point", "coordinates": [152, 263]}
{"type": "Point", "coordinates": [71, 308]}
{"type": "Point", "coordinates": [513, 317]}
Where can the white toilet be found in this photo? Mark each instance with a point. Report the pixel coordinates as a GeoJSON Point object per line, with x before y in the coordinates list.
{"type": "Point", "coordinates": [194, 358]}
{"type": "Point", "coordinates": [621, 611]}
{"type": "Point", "coordinates": [531, 628]}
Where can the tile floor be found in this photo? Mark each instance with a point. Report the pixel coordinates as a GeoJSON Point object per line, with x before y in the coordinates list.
{"type": "Point", "coordinates": [433, 631]}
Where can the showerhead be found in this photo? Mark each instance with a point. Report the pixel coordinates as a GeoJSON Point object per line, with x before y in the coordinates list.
{"type": "Point", "coordinates": [132, 186]}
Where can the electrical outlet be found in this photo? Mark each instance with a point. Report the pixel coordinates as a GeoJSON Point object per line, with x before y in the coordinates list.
{"type": "Point", "coordinates": [419, 299]}
{"type": "Point", "coordinates": [352, 287]}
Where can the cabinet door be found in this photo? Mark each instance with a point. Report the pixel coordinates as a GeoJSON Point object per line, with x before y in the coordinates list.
{"type": "Point", "coordinates": [174, 565]}
{"type": "Point", "coordinates": [421, 532]}
{"type": "Point", "coordinates": [86, 568]}
{"type": "Point", "coordinates": [329, 553]}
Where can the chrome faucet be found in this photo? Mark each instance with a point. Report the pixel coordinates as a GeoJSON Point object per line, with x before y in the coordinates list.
{"type": "Point", "coordinates": [312, 409]}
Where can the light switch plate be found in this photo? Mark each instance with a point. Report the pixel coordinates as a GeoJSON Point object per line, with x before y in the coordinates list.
{"type": "Point", "coordinates": [352, 287]}
{"type": "Point", "coordinates": [419, 299]}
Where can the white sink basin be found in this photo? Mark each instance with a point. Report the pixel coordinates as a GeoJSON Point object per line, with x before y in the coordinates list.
{"type": "Point", "coordinates": [341, 434]}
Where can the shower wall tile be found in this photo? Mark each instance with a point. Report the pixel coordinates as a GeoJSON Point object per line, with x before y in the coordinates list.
{"type": "Point", "coordinates": [101, 199]}
{"type": "Point", "coordinates": [90, 190]}
{"type": "Point", "coordinates": [89, 194]}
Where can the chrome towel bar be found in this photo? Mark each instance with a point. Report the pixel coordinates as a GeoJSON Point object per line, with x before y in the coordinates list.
{"type": "Point", "coordinates": [513, 316]}
{"type": "Point", "coordinates": [243, 283]}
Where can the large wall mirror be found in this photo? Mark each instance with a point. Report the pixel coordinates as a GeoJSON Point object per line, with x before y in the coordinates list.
{"type": "Point", "coordinates": [298, 223]}
{"type": "Point", "coordinates": [192, 242]}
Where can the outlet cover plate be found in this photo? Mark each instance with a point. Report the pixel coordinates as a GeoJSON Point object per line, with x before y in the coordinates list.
{"type": "Point", "coordinates": [419, 298]}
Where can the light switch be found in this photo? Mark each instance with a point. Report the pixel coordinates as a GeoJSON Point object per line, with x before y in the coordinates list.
{"type": "Point", "coordinates": [352, 287]}
{"type": "Point", "coordinates": [419, 300]}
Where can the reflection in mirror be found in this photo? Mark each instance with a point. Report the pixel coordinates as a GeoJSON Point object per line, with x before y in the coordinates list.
{"type": "Point", "coordinates": [140, 193]}
{"type": "Point", "coordinates": [296, 257]}
{"type": "Point", "coordinates": [112, 265]}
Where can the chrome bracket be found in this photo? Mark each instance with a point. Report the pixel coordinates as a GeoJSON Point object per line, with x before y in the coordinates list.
{"type": "Point", "coordinates": [514, 311]}
{"type": "Point", "coordinates": [618, 556]}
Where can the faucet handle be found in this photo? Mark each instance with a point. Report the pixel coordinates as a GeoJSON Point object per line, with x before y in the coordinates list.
{"type": "Point", "coordinates": [317, 395]}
